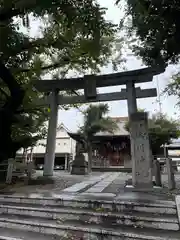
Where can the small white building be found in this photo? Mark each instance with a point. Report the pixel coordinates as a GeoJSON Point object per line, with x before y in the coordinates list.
{"type": "Point", "coordinates": [65, 149]}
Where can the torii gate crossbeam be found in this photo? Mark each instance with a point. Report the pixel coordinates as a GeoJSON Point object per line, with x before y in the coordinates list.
{"type": "Point", "coordinates": [115, 79]}
{"type": "Point", "coordinates": [102, 97]}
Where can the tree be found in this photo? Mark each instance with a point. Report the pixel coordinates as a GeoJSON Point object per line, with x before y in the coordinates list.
{"type": "Point", "coordinates": [95, 120]}
{"type": "Point", "coordinates": [155, 24]}
{"type": "Point", "coordinates": [162, 130]}
{"type": "Point", "coordinates": [28, 121]}
{"type": "Point", "coordinates": [73, 35]}
{"type": "Point", "coordinates": [173, 88]}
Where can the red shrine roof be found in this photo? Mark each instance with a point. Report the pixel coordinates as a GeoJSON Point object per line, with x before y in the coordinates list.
{"type": "Point", "coordinates": [121, 131]}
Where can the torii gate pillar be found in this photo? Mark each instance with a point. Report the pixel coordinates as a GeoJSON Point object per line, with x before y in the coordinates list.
{"type": "Point", "coordinates": [131, 98]}
{"type": "Point", "coordinates": [51, 138]}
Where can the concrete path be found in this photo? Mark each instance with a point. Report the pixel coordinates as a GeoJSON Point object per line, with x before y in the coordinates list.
{"type": "Point", "coordinates": [97, 184]}
{"type": "Point", "coordinates": [92, 181]}
{"type": "Point", "coordinates": [105, 182]}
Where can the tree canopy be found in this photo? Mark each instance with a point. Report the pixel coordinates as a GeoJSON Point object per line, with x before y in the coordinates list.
{"type": "Point", "coordinates": [173, 87]}
{"type": "Point", "coordinates": [73, 35]}
{"type": "Point", "coordinates": [156, 27]}
{"type": "Point", "coordinates": [153, 33]}
{"type": "Point", "coordinates": [96, 120]}
{"type": "Point", "coordinates": [162, 130]}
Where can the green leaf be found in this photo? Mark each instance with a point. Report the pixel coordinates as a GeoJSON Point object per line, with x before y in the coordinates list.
{"type": "Point", "coordinates": [162, 130]}
{"type": "Point", "coordinates": [95, 120]}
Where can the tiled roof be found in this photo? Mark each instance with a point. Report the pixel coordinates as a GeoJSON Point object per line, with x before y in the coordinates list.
{"type": "Point", "coordinates": [120, 119]}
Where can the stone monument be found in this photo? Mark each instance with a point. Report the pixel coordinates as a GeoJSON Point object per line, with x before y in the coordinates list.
{"type": "Point", "coordinates": [141, 152]}
{"type": "Point", "coordinates": [79, 165]}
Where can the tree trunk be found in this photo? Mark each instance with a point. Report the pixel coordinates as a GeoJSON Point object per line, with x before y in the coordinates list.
{"type": "Point", "coordinates": [14, 148]}
{"type": "Point", "coordinates": [89, 148]}
{"type": "Point", "coordinates": [7, 112]}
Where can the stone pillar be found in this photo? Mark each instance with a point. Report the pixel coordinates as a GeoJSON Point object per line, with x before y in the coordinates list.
{"type": "Point", "coordinates": [140, 151]}
{"type": "Point", "coordinates": [131, 98]}
{"type": "Point", "coordinates": [66, 162]}
{"type": "Point", "coordinates": [10, 170]}
{"type": "Point", "coordinates": [157, 173]}
{"type": "Point", "coordinates": [51, 138]}
{"type": "Point", "coordinates": [170, 172]}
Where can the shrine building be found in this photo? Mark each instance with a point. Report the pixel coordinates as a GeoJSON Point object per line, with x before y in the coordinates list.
{"type": "Point", "coordinates": [110, 150]}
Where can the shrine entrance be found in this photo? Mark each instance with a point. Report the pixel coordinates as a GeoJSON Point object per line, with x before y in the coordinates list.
{"type": "Point", "coordinates": [112, 152]}
{"type": "Point", "coordinates": [140, 147]}
{"type": "Point", "coordinates": [109, 150]}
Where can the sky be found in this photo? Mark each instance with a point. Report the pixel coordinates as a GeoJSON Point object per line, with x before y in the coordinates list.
{"type": "Point", "coordinates": [73, 118]}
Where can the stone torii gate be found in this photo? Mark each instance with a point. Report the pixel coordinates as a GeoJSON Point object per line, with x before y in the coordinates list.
{"type": "Point", "coordinates": [140, 147]}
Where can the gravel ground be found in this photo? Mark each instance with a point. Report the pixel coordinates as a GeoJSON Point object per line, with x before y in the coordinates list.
{"type": "Point", "coordinates": [164, 191]}
{"type": "Point", "coordinates": [62, 180]}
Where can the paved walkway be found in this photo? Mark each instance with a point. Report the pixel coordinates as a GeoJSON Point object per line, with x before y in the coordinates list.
{"type": "Point", "coordinates": [111, 186]}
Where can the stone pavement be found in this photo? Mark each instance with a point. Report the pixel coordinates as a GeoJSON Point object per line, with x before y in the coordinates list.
{"type": "Point", "coordinates": [101, 185]}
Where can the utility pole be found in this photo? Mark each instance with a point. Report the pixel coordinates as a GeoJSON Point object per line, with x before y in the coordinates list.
{"type": "Point", "coordinates": [158, 95]}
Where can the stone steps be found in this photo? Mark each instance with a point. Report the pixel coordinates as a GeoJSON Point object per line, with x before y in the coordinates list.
{"type": "Point", "coordinates": [9, 238]}
{"type": "Point", "coordinates": [133, 219]}
{"type": "Point", "coordinates": [15, 234]}
{"type": "Point", "coordinates": [82, 201]}
{"type": "Point", "coordinates": [74, 230]}
{"type": "Point", "coordinates": [76, 216]}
